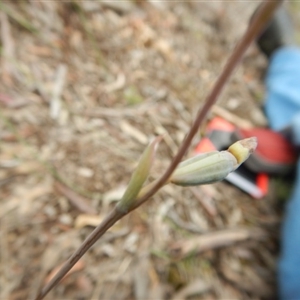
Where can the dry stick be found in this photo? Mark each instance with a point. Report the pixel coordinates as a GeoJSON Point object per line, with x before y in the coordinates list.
{"type": "Point", "coordinates": [262, 17]}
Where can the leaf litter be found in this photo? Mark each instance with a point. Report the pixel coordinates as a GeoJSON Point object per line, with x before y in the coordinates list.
{"type": "Point", "coordinates": [102, 79]}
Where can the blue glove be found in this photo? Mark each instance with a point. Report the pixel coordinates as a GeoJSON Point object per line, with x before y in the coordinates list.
{"type": "Point", "coordinates": [283, 110]}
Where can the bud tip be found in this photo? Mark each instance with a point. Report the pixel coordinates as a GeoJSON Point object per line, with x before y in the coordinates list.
{"type": "Point", "coordinates": [243, 148]}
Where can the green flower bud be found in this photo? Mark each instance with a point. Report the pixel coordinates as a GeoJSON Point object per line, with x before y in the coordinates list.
{"type": "Point", "coordinates": [204, 169]}
{"type": "Point", "coordinates": [213, 166]}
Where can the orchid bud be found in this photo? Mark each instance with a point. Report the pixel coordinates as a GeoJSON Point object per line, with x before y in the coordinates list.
{"type": "Point", "coordinates": [213, 166]}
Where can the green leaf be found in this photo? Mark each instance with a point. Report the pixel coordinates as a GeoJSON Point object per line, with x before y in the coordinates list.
{"type": "Point", "coordinates": [139, 176]}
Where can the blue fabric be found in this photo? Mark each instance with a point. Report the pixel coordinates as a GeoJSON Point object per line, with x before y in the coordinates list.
{"type": "Point", "coordinates": [283, 109]}
{"type": "Point", "coordinates": [296, 129]}
{"type": "Point", "coordinates": [289, 262]}
{"type": "Point", "coordinates": [283, 87]}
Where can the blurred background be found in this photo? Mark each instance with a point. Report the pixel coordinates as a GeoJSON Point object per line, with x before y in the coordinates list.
{"type": "Point", "coordinates": [85, 85]}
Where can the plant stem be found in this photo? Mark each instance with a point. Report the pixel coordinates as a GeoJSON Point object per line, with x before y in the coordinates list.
{"type": "Point", "coordinates": [258, 23]}
{"type": "Point", "coordinates": [263, 15]}
{"type": "Point", "coordinates": [108, 222]}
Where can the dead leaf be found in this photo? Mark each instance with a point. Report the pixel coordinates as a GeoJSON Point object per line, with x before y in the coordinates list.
{"type": "Point", "coordinates": [80, 202]}
{"type": "Point", "coordinates": [84, 283]}
{"type": "Point", "coordinates": [80, 265]}
{"type": "Point", "coordinates": [113, 195]}
{"type": "Point", "coordinates": [133, 132]}
{"type": "Point", "coordinates": [116, 85]}
{"type": "Point", "coordinates": [28, 167]}
{"type": "Point", "coordinates": [141, 278]}
{"type": "Point", "coordinates": [87, 220]}
{"type": "Point", "coordinates": [196, 287]}
{"type": "Point", "coordinates": [214, 240]}
{"type": "Point", "coordinates": [13, 102]}
{"type": "Point", "coordinates": [164, 48]}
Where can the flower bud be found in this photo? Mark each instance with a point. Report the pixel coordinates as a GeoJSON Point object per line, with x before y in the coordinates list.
{"type": "Point", "coordinates": [204, 169]}
{"type": "Point", "coordinates": [213, 166]}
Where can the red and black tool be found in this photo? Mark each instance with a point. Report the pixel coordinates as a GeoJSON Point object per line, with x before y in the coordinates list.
{"type": "Point", "coordinates": [274, 154]}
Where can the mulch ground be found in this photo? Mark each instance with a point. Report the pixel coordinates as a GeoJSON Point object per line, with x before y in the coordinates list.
{"type": "Point", "coordinates": [84, 87]}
